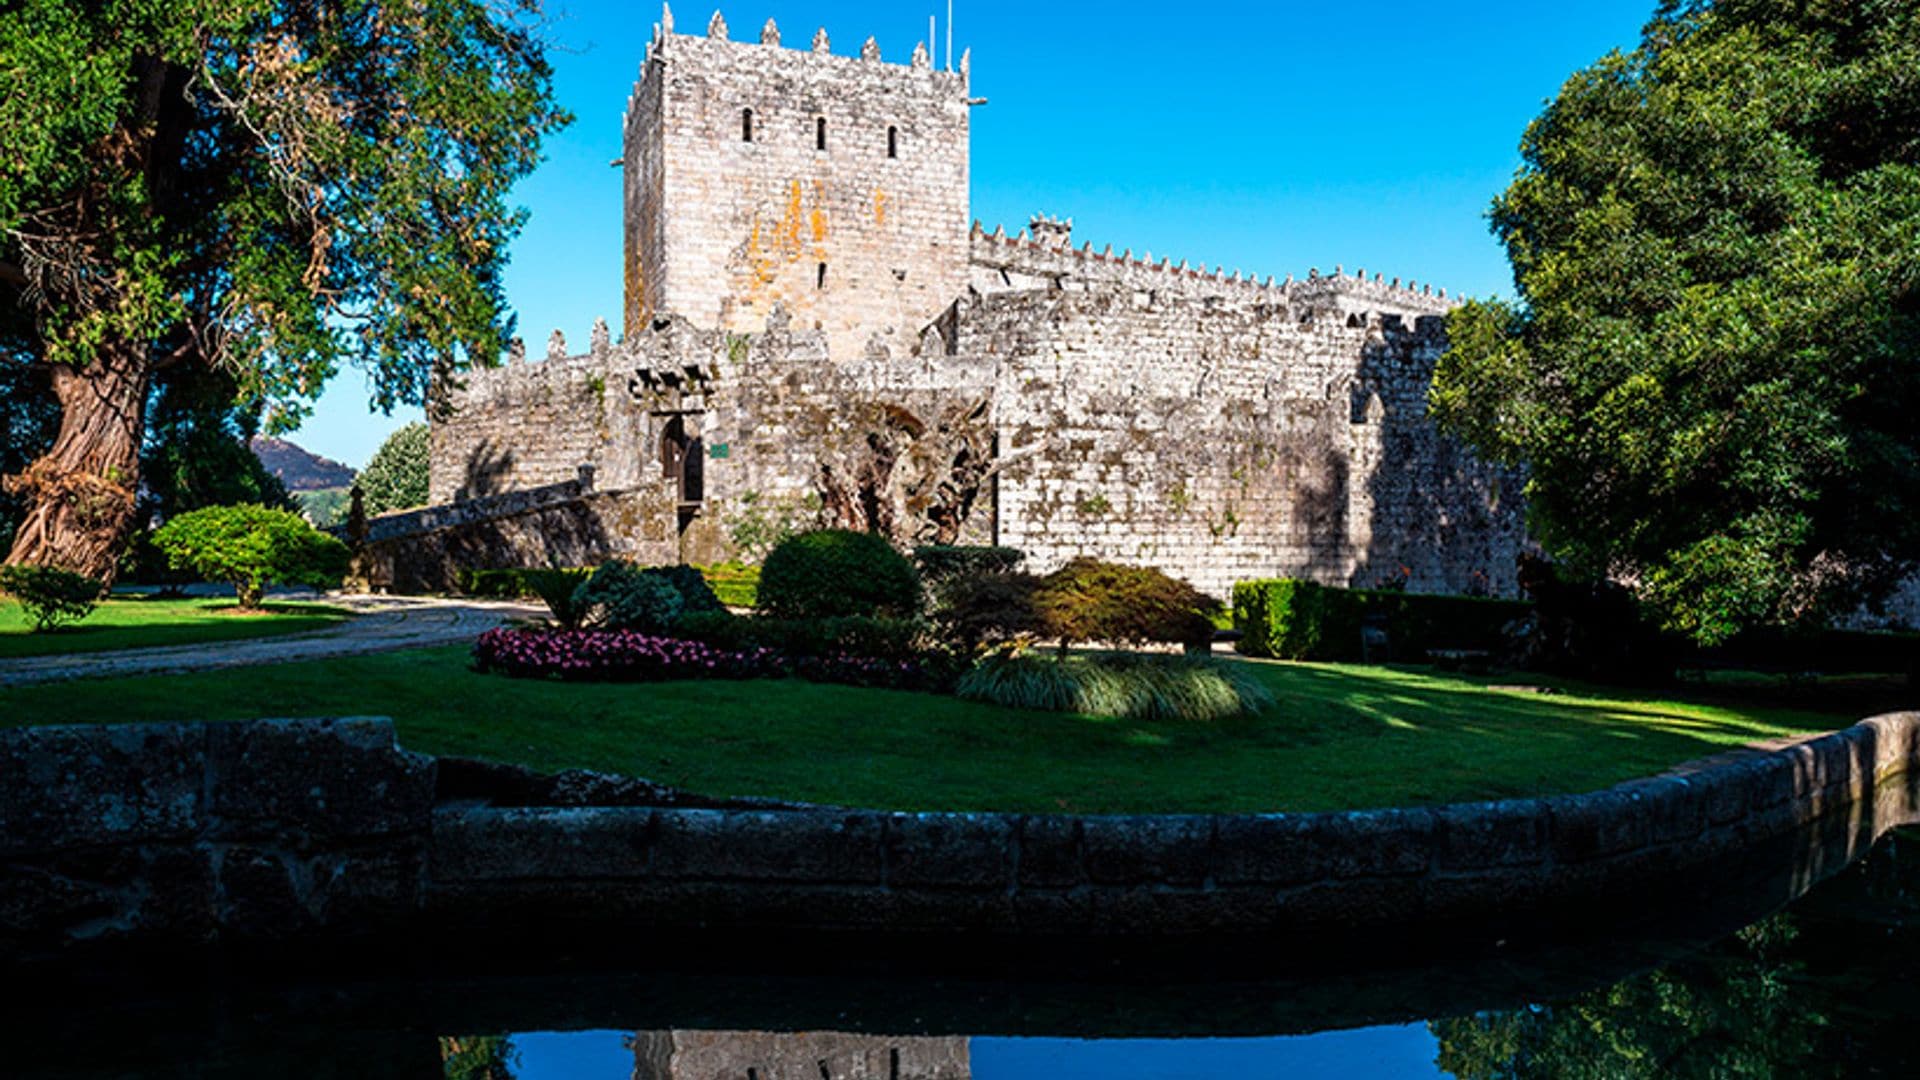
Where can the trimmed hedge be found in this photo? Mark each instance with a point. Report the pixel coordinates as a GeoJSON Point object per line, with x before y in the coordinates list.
{"type": "Point", "coordinates": [1831, 651]}
{"type": "Point", "coordinates": [831, 573]}
{"type": "Point", "coordinates": [854, 635]}
{"type": "Point", "coordinates": [1302, 620]}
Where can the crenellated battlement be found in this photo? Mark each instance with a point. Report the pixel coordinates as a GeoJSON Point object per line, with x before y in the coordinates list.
{"type": "Point", "coordinates": [666, 42]}
{"type": "Point", "coordinates": [1043, 256]}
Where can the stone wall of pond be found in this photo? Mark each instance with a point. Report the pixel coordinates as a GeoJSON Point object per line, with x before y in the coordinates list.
{"type": "Point", "coordinates": [187, 834]}
{"type": "Point", "coordinates": [281, 829]}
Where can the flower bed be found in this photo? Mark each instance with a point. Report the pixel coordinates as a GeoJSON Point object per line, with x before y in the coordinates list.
{"type": "Point", "coordinates": [615, 656]}
{"type": "Point", "coordinates": [631, 656]}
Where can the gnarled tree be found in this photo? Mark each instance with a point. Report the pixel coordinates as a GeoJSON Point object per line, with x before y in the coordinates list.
{"type": "Point", "coordinates": [272, 187]}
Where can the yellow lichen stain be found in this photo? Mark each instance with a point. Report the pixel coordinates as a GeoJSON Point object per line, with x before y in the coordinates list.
{"type": "Point", "coordinates": [637, 312]}
{"type": "Point", "coordinates": [790, 225]}
{"type": "Point", "coordinates": [780, 243]}
{"type": "Point", "coordinates": [879, 207]}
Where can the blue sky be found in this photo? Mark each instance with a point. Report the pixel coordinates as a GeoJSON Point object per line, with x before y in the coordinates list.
{"type": "Point", "coordinates": [1270, 137]}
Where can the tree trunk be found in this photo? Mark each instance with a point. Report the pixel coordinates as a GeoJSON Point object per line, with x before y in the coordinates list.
{"type": "Point", "coordinates": [80, 495]}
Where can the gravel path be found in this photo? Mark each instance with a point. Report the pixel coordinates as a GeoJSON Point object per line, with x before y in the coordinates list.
{"type": "Point", "coordinates": [380, 624]}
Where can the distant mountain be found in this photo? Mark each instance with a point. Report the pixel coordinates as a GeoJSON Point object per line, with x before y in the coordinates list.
{"type": "Point", "coordinates": [298, 469]}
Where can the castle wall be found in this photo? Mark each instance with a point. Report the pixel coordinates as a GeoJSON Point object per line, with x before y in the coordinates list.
{"type": "Point", "coordinates": [777, 417]}
{"type": "Point", "coordinates": [848, 239]}
{"type": "Point", "coordinates": [1048, 260]}
{"type": "Point", "coordinates": [1228, 441]}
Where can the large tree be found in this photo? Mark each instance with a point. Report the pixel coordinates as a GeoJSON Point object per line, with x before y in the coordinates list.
{"type": "Point", "coordinates": [268, 187]}
{"type": "Point", "coordinates": [1713, 370]}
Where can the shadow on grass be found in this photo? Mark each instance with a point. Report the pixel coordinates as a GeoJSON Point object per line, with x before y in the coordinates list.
{"type": "Point", "coordinates": [146, 622]}
{"type": "Point", "coordinates": [1340, 737]}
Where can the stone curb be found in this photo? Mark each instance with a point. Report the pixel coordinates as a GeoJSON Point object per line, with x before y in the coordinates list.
{"type": "Point", "coordinates": [1060, 874]}
{"type": "Point", "coordinates": [273, 829]}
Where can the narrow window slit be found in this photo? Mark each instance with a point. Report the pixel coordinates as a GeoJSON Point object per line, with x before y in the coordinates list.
{"type": "Point", "coordinates": [746, 125]}
{"type": "Point", "coordinates": [893, 142]}
{"type": "Point", "coordinates": [820, 276]}
{"type": "Point", "coordinates": [820, 133]}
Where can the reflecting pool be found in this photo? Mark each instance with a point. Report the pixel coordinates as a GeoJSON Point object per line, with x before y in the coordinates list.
{"type": "Point", "coordinates": [1826, 988]}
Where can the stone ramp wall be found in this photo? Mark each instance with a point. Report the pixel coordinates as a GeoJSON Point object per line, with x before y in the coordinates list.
{"type": "Point", "coordinates": [557, 525]}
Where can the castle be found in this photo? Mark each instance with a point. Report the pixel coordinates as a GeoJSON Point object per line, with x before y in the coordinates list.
{"type": "Point", "coordinates": [815, 331]}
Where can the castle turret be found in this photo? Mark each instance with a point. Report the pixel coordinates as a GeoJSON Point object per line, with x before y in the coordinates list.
{"type": "Point", "coordinates": [833, 186]}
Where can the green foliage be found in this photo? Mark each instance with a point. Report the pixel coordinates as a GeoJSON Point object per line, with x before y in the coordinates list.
{"type": "Point", "coordinates": [1091, 600]}
{"type": "Point", "coordinates": [559, 589]}
{"type": "Point", "coordinates": [326, 507]}
{"type": "Point", "coordinates": [197, 451]}
{"type": "Point", "coordinates": [1302, 620]}
{"type": "Point", "coordinates": [759, 523]}
{"type": "Point", "coordinates": [1745, 1007]}
{"type": "Point", "coordinates": [396, 476]}
{"type": "Point", "coordinates": [837, 572]}
{"type": "Point", "coordinates": [51, 597]}
{"type": "Point", "coordinates": [365, 158]}
{"type": "Point", "coordinates": [940, 563]}
{"type": "Point", "coordinates": [734, 584]}
{"type": "Point", "coordinates": [510, 584]}
{"type": "Point", "coordinates": [976, 611]}
{"type": "Point", "coordinates": [620, 596]}
{"type": "Point", "coordinates": [478, 1057]}
{"type": "Point", "coordinates": [1132, 687]}
{"type": "Point", "coordinates": [876, 637]}
{"type": "Point", "coordinates": [690, 585]}
{"type": "Point", "coordinates": [252, 547]}
{"type": "Point", "coordinates": [1710, 377]}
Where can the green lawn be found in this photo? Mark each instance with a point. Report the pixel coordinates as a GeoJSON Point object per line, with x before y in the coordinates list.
{"type": "Point", "coordinates": [137, 622]}
{"type": "Point", "coordinates": [1342, 736]}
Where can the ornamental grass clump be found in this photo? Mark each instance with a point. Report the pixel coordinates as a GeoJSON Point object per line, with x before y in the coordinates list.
{"type": "Point", "coordinates": [1132, 687]}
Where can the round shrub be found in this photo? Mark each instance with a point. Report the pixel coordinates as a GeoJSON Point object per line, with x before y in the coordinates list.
{"type": "Point", "coordinates": [696, 596]}
{"type": "Point", "coordinates": [251, 547]}
{"type": "Point", "coordinates": [1090, 600]}
{"type": "Point", "coordinates": [50, 596]}
{"type": "Point", "coordinates": [627, 598]}
{"type": "Point", "coordinates": [836, 572]}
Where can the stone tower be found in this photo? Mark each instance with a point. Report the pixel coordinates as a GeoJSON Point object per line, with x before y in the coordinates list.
{"type": "Point", "coordinates": [832, 186]}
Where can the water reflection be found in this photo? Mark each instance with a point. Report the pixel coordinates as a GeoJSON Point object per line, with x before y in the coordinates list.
{"type": "Point", "coordinates": [1824, 989]}
{"type": "Point", "coordinates": [807, 1055]}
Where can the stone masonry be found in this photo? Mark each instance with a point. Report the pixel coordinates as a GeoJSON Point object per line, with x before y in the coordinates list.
{"type": "Point", "coordinates": [815, 335]}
